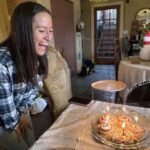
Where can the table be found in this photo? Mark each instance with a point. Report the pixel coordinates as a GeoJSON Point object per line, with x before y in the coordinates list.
{"type": "Point", "coordinates": [132, 70]}
{"type": "Point", "coordinates": [72, 129]}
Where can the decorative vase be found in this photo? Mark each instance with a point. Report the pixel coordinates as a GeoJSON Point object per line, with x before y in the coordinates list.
{"type": "Point", "coordinates": [145, 50]}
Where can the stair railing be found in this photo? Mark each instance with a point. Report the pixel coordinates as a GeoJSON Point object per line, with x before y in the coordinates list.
{"type": "Point", "coordinates": [99, 43]}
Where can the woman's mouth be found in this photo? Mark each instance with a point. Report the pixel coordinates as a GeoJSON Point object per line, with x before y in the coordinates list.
{"type": "Point", "coordinates": [43, 44]}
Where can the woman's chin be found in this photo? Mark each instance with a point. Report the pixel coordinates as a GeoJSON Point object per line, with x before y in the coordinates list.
{"type": "Point", "coordinates": [41, 52]}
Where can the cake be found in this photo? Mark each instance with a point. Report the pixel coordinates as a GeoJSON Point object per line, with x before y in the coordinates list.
{"type": "Point", "coordinates": [111, 128]}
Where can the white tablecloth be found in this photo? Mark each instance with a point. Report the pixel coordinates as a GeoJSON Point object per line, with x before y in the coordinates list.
{"type": "Point", "coordinates": [131, 73]}
{"type": "Point", "coordinates": [73, 129]}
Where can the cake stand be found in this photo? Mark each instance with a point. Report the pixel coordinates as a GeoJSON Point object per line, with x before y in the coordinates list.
{"type": "Point", "coordinates": [108, 86]}
{"type": "Point", "coordinates": [114, 136]}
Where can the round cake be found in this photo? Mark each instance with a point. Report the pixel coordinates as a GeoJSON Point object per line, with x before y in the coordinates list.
{"type": "Point", "coordinates": [119, 128]}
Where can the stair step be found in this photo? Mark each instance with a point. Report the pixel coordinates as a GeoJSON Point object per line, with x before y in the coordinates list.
{"type": "Point", "coordinates": [108, 38]}
{"type": "Point", "coordinates": [107, 42]}
{"type": "Point", "coordinates": [106, 53]}
{"type": "Point", "coordinates": [109, 34]}
{"type": "Point", "coordinates": [106, 47]}
{"type": "Point", "coordinates": [106, 56]}
{"type": "Point", "coordinates": [109, 31]}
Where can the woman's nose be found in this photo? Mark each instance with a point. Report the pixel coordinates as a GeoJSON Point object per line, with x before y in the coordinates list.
{"type": "Point", "coordinates": [47, 35]}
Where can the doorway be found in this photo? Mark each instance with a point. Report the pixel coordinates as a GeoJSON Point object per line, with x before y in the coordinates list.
{"type": "Point", "coordinates": [106, 29]}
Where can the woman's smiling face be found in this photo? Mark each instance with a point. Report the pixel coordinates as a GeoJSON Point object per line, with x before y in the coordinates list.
{"type": "Point", "coordinates": [42, 32]}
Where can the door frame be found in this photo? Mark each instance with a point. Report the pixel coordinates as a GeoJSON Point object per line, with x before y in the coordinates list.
{"type": "Point", "coordinates": [93, 27]}
{"type": "Point", "coordinates": [104, 59]}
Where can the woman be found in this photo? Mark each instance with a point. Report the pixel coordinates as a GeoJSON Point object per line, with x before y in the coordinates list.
{"type": "Point", "coordinates": [22, 58]}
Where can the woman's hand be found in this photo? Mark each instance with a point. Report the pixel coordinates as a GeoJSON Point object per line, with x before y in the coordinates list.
{"type": "Point", "coordinates": [22, 127]}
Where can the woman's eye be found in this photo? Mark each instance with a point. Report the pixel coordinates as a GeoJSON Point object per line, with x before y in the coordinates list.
{"type": "Point", "coordinates": [51, 31]}
{"type": "Point", "coordinates": [41, 31]}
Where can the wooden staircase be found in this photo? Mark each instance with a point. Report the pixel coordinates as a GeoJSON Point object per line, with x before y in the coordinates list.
{"type": "Point", "coordinates": [108, 49]}
{"type": "Point", "coordinates": [106, 45]}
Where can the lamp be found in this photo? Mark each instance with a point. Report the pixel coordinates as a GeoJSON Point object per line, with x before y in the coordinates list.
{"type": "Point", "coordinates": [80, 26]}
{"type": "Point", "coordinates": [100, 1]}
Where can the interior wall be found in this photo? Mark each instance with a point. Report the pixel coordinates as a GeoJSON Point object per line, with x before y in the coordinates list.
{"type": "Point", "coordinates": [121, 4]}
{"type": "Point", "coordinates": [12, 4]}
{"type": "Point", "coordinates": [86, 18]}
{"type": "Point", "coordinates": [4, 21]}
{"type": "Point", "coordinates": [129, 12]}
{"type": "Point", "coordinates": [87, 8]}
{"type": "Point", "coordinates": [131, 9]}
{"type": "Point", "coordinates": [7, 7]}
{"type": "Point", "coordinates": [77, 11]}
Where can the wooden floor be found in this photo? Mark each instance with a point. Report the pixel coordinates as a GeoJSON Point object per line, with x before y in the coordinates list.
{"type": "Point", "coordinates": [81, 85]}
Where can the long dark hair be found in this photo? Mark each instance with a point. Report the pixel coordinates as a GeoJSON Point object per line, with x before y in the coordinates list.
{"type": "Point", "coordinates": [21, 43]}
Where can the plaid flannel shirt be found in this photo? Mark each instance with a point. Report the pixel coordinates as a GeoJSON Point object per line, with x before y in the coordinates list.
{"type": "Point", "coordinates": [14, 97]}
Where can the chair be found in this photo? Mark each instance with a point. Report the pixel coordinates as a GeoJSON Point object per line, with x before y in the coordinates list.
{"type": "Point", "coordinates": [58, 82]}
{"type": "Point", "coordinates": [139, 95]}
